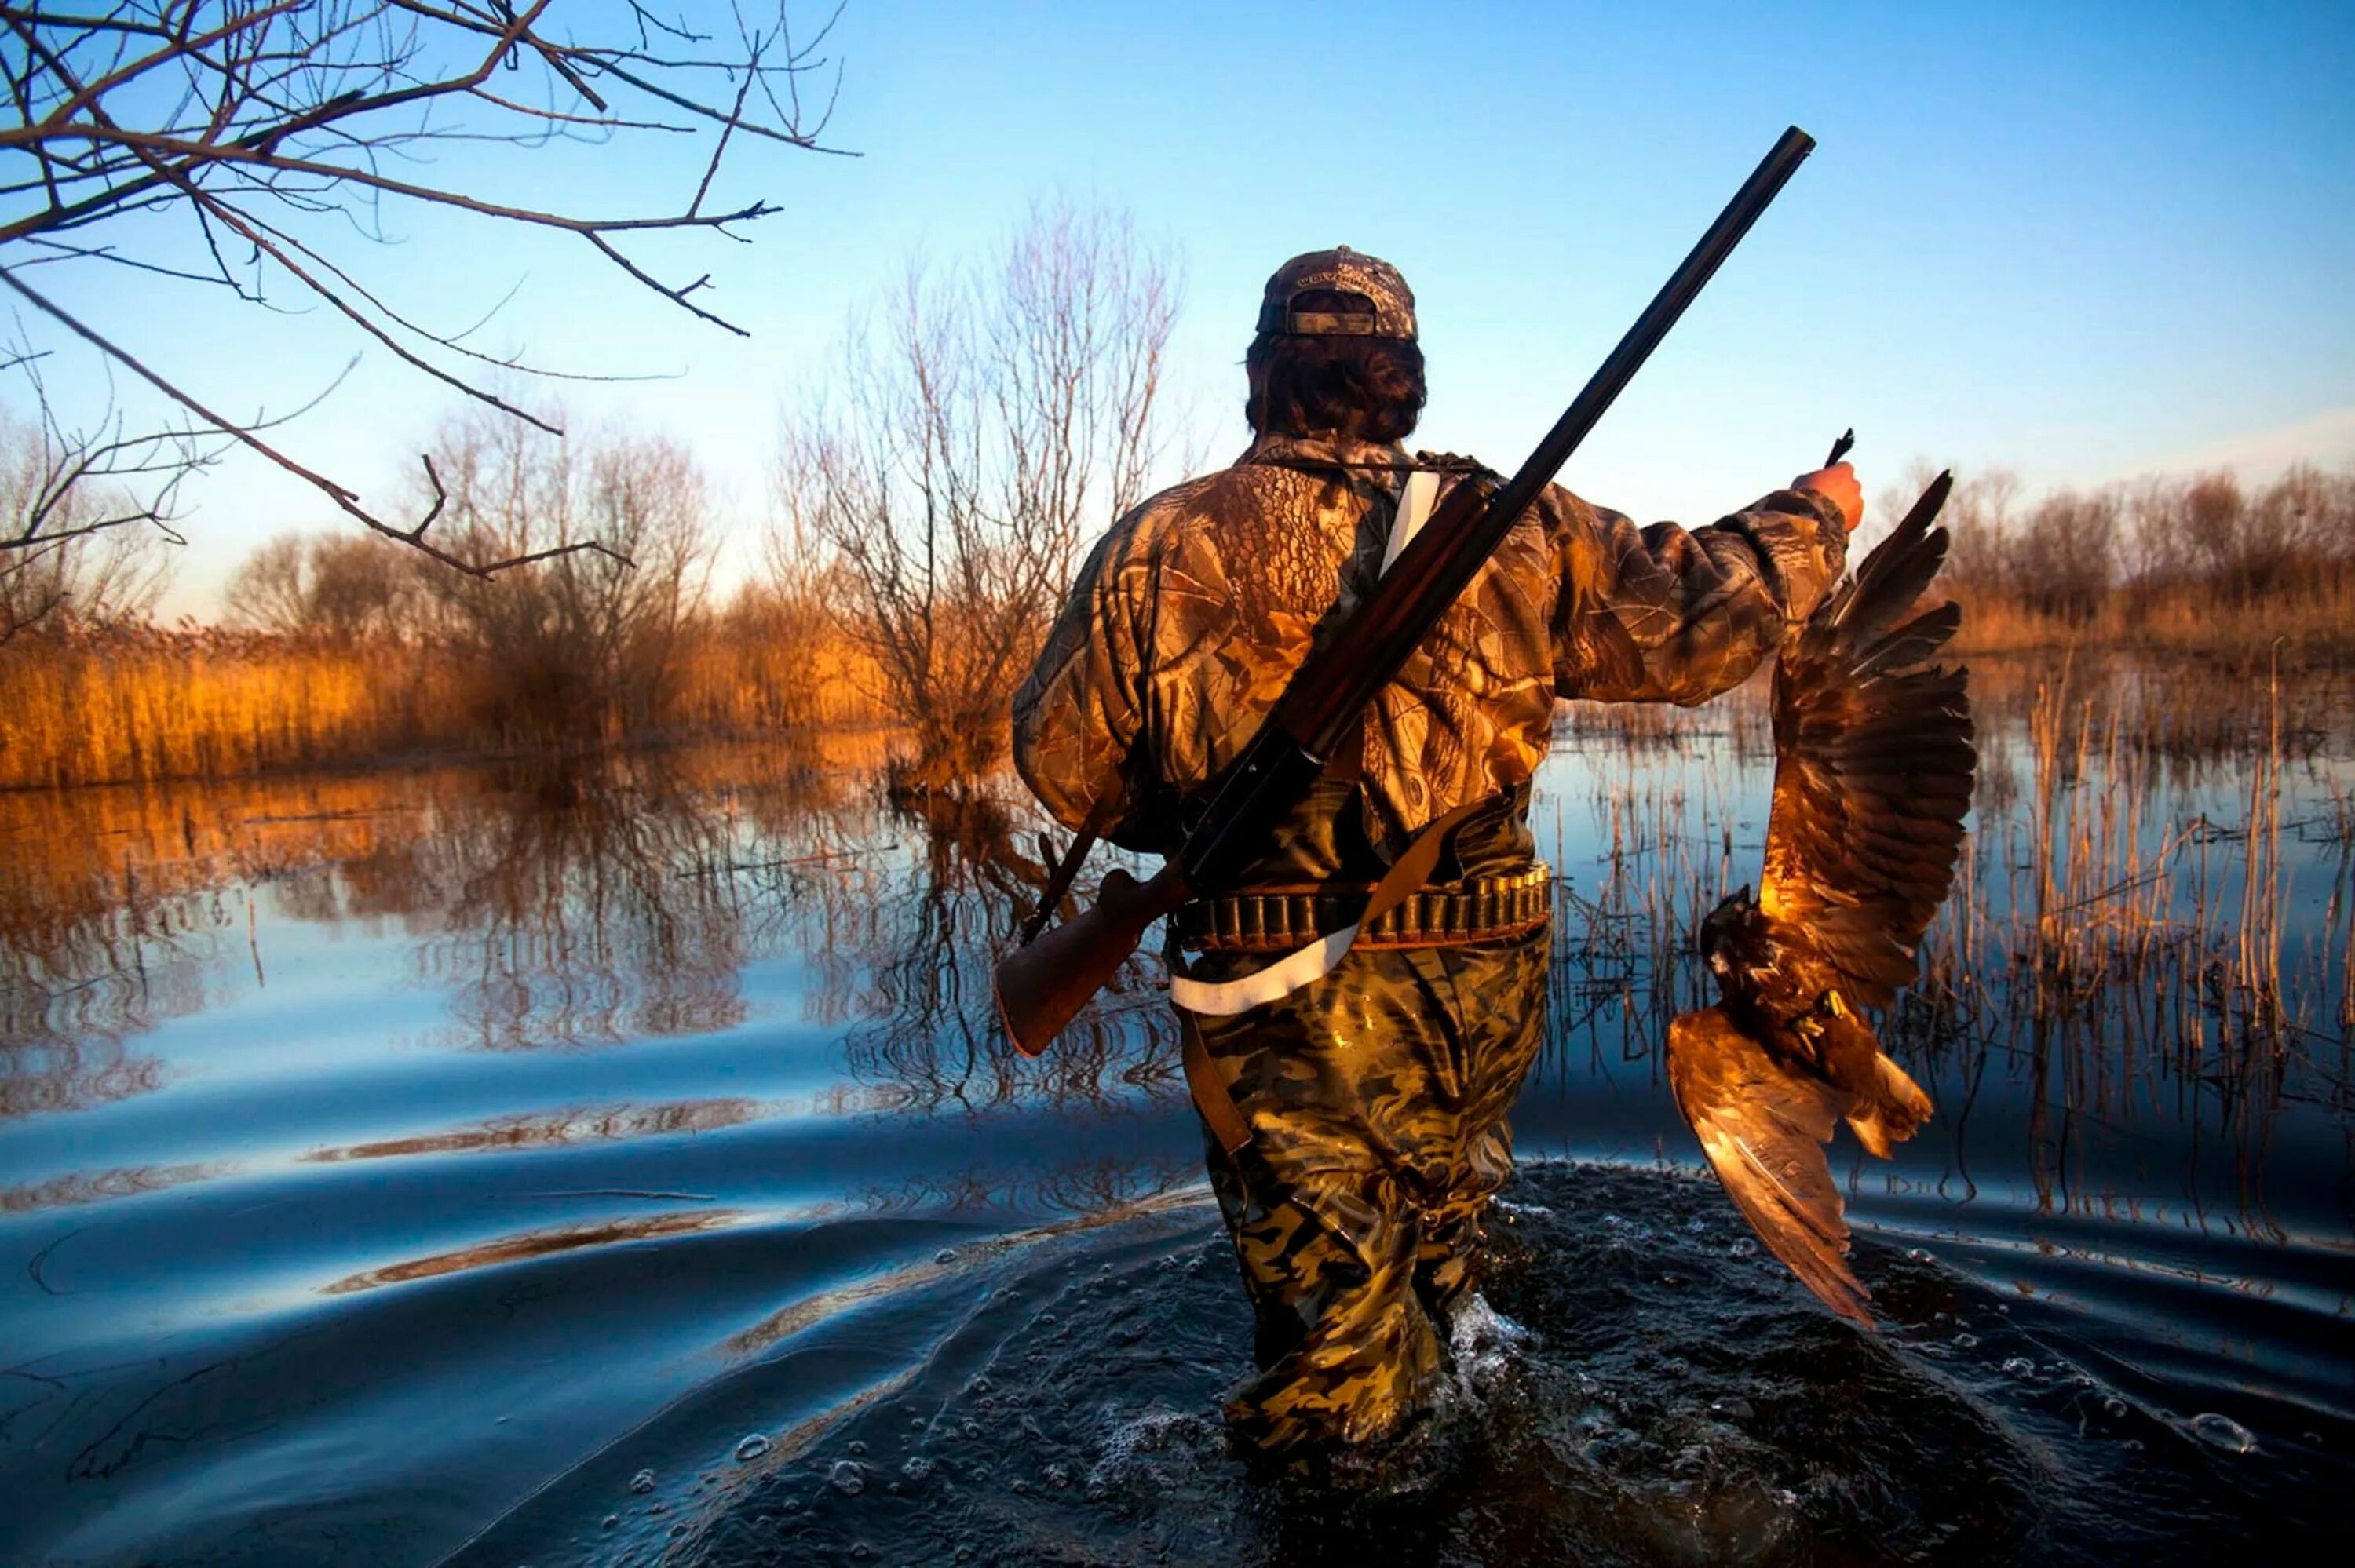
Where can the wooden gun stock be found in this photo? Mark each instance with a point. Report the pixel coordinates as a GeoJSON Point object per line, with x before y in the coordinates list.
{"type": "Point", "coordinates": [1042, 987]}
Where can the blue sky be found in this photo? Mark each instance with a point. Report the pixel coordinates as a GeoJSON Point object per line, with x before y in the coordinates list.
{"type": "Point", "coordinates": [2080, 241]}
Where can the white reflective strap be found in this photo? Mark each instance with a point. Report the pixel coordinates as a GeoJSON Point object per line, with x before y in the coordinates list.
{"type": "Point", "coordinates": [1415, 501]}
{"type": "Point", "coordinates": [1279, 979]}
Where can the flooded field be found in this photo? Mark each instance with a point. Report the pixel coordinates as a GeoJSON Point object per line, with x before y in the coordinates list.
{"type": "Point", "coordinates": [619, 1164]}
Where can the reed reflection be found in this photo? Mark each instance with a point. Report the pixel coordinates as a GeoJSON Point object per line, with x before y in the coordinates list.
{"type": "Point", "coordinates": [101, 1186]}
{"type": "Point", "coordinates": [555, 1130]}
{"type": "Point", "coordinates": [569, 918]}
{"type": "Point", "coordinates": [536, 1244]}
{"type": "Point", "coordinates": [112, 909]}
{"type": "Point", "coordinates": [924, 1018]}
{"type": "Point", "coordinates": [585, 905]}
{"type": "Point", "coordinates": [2153, 928]}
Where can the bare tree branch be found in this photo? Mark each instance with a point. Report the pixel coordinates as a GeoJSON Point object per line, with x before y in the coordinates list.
{"type": "Point", "coordinates": [72, 554]}
{"type": "Point", "coordinates": [226, 109]}
{"type": "Point", "coordinates": [347, 500]}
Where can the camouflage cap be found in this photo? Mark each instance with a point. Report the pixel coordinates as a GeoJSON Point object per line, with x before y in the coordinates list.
{"type": "Point", "coordinates": [1391, 302]}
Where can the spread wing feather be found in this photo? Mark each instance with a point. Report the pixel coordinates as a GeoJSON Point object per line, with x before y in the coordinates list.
{"type": "Point", "coordinates": [1763, 1126]}
{"type": "Point", "coordinates": [1873, 765]}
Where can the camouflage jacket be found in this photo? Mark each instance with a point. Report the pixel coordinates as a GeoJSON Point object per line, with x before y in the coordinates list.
{"type": "Point", "coordinates": [1194, 610]}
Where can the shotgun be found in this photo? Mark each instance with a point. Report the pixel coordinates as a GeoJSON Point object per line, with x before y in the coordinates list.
{"type": "Point", "coordinates": [1042, 985]}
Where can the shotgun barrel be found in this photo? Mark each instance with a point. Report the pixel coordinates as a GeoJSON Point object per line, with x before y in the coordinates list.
{"type": "Point", "coordinates": [1042, 986]}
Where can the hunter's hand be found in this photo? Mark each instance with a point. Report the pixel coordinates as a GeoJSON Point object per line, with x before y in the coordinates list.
{"type": "Point", "coordinates": [1838, 484]}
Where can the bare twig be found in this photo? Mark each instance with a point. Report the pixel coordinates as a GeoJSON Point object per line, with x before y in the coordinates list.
{"type": "Point", "coordinates": [347, 500]}
{"type": "Point", "coordinates": [223, 111]}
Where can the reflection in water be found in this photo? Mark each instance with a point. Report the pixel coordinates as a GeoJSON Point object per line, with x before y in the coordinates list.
{"type": "Point", "coordinates": [597, 1124]}
{"type": "Point", "coordinates": [2142, 933]}
{"type": "Point", "coordinates": [536, 1244]}
{"type": "Point", "coordinates": [572, 922]}
{"type": "Point", "coordinates": [2141, 954]}
{"type": "Point", "coordinates": [925, 1018]}
{"type": "Point", "coordinates": [798, 1316]}
{"type": "Point", "coordinates": [97, 1186]}
{"type": "Point", "coordinates": [1099, 1186]}
{"type": "Point", "coordinates": [121, 909]}
{"type": "Point", "coordinates": [90, 956]}
{"type": "Point", "coordinates": [385, 1039]}
{"type": "Point", "coordinates": [59, 1072]}
{"type": "Point", "coordinates": [614, 901]}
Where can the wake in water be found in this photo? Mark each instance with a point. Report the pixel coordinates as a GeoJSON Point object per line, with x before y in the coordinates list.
{"type": "Point", "coordinates": [1640, 1384]}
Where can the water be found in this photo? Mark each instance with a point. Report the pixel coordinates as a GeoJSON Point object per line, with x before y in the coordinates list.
{"type": "Point", "coordinates": [508, 1167]}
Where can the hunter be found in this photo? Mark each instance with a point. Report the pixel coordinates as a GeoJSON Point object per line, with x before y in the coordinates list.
{"type": "Point", "coordinates": [1376, 1097]}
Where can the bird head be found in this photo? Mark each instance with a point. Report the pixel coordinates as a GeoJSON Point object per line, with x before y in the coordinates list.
{"type": "Point", "coordinates": [1722, 928]}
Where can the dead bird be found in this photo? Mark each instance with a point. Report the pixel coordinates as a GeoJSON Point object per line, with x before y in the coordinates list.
{"type": "Point", "coordinates": [1873, 767]}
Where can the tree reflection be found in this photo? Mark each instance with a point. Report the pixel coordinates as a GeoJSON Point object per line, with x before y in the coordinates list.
{"type": "Point", "coordinates": [628, 897]}
{"type": "Point", "coordinates": [573, 918]}
{"type": "Point", "coordinates": [608, 900]}
{"type": "Point", "coordinates": [1102, 1185]}
{"type": "Point", "coordinates": [108, 922]}
{"type": "Point", "coordinates": [926, 1019]}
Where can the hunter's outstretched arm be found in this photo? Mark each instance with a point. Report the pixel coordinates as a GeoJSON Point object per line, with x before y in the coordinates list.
{"type": "Point", "coordinates": [1668, 614]}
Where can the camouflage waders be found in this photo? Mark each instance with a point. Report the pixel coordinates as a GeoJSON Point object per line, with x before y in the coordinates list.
{"type": "Point", "coordinates": [1378, 1100]}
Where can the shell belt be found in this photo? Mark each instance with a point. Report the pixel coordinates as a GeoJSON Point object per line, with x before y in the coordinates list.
{"type": "Point", "coordinates": [1279, 919]}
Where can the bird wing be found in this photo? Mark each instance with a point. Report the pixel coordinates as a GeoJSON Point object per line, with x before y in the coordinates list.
{"type": "Point", "coordinates": [1764, 1127]}
{"type": "Point", "coordinates": [1873, 765]}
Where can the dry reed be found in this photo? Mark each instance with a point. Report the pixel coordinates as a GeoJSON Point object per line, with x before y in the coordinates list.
{"type": "Point", "coordinates": [140, 707]}
{"type": "Point", "coordinates": [2121, 919]}
{"type": "Point", "coordinates": [133, 706]}
{"type": "Point", "coordinates": [2313, 626]}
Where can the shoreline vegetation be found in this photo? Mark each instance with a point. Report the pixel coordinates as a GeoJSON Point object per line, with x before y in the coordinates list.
{"type": "Point", "coordinates": [135, 705]}
{"type": "Point", "coordinates": [2196, 563]}
{"type": "Point", "coordinates": [352, 652]}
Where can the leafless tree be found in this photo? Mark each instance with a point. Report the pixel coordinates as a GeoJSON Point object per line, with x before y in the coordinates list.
{"type": "Point", "coordinates": [272, 136]}
{"type": "Point", "coordinates": [330, 585]}
{"type": "Point", "coordinates": [2070, 549]}
{"type": "Point", "coordinates": [2150, 541]}
{"type": "Point", "coordinates": [1982, 516]}
{"type": "Point", "coordinates": [271, 590]}
{"type": "Point", "coordinates": [976, 430]}
{"type": "Point", "coordinates": [562, 641]}
{"type": "Point", "coordinates": [63, 505]}
{"type": "Point", "coordinates": [2059, 556]}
